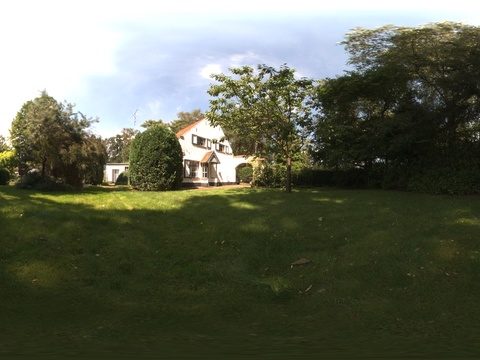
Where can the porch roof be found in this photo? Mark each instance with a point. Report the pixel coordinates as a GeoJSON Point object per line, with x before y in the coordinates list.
{"type": "Point", "coordinates": [210, 157]}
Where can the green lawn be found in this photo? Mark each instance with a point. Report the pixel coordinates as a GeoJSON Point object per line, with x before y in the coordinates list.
{"type": "Point", "coordinates": [207, 274]}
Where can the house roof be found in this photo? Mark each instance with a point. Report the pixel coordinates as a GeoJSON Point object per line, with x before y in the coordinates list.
{"type": "Point", "coordinates": [210, 156]}
{"type": "Point", "coordinates": [189, 127]}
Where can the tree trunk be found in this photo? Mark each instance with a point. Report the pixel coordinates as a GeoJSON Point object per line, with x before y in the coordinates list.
{"type": "Point", "coordinates": [44, 164]}
{"type": "Point", "coordinates": [288, 183]}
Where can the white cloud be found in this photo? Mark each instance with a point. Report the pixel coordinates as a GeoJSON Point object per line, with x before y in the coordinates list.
{"type": "Point", "coordinates": [112, 57]}
{"type": "Point", "coordinates": [248, 58]}
{"type": "Point", "coordinates": [210, 69]}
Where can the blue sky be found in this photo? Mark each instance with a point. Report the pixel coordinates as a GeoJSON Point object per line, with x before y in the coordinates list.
{"type": "Point", "coordinates": [114, 59]}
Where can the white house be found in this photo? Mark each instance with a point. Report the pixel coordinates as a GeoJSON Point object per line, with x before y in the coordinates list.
{"type": "Point", "coordinates": [112, 170]}
{"type": "Point", "coordinates": [207, 156]}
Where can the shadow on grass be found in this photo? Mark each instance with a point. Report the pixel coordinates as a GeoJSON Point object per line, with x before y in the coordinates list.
{"type": "Point", "coordinates": [209, 273]}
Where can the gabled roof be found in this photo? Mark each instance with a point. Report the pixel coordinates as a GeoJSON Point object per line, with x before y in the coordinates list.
{"type": "Point", "coordinates": [210, 157]}
{"type": "Point", "coordinates": [189, 127]}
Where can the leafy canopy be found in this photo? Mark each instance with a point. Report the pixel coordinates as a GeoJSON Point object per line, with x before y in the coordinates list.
{"type": "Point", "coordinates": [50, 136]}
{"type": "Point", "coordinates": [267, 107]}
{"type": "Point", "coordinates": [409, 110]}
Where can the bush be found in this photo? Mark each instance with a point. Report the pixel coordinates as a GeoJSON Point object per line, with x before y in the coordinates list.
{"type": "Point", "coordinates": [33, 180]}
{"type": "Point", "coordinates": [309, 177]}
{"type": "Point", "coordinates": [29, 180]}
{"type": "Point", "coordinates": [122, 179]}
{"type": "Point", "coordinates": [4, 176]}
{"type": "Point", "coordinates": [156, 160]}
{"type": "Point", "coordinates": [271, 176]}
{"type": "Point", "coordinates": [245, 173]}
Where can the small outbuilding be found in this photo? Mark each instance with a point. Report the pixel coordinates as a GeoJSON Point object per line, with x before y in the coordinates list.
{"type": "Point", "coordinates": [113, 170]}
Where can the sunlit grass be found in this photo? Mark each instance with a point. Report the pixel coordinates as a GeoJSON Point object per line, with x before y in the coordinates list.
{"type": "Point", "coordinates": [211, 273]}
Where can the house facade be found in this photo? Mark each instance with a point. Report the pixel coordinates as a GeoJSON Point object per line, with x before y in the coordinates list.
{"type": "Point", "coordinates": [113, 170]}
{"type": "Point", "coordinates": [207, 156]}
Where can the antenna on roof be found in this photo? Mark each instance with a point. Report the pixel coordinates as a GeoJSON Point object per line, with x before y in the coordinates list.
{"type": "Point", "coordinates": [135, 117]}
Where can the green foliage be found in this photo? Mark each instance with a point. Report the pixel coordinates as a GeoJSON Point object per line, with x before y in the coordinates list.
{"type": "Point", "coordinates": [313, 177]}
{"type": "Point", "coordinates": [149, 123]}
{"type": "Point", "coordinates": [156, 160]}
{"type": "Point", "coordinates": [8, 160]}
{"type": "Point", "coordinates": [122, 179]}
{"type": "Point", "coordinates": [268, 107]}
{"type": "Point", "coordinates": [33, 180]}
{"type": "Point", "coordinates": [245, 173]}
{"type": "Point", "coordinates": [271, 176]}
{"type": "Point", "coordinates": [93, 169]}
{"type": "Point", "coordinates": [408, 112]}
{"type": "Point", "coordinates": [4, 176]}
{"type": "Point", "coordinates": [185, 119]}
{"type": "Point", "coordinates": [3, 144]}
{"type": "Point", "coordinates": [50, 136]}
{"type": "Point", "coordinates": [118, 146]}
{"type": "Point", "coordinates": [29, 180]}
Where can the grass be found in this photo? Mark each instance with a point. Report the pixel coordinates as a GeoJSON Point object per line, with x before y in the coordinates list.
{"type": "Point", "coordinates": [207, 274]}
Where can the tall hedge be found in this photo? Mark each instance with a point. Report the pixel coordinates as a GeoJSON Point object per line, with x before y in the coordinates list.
{"type": "Point", "coordinates": [156, 160]}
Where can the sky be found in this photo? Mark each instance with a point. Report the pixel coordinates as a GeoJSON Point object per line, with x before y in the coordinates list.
{"type": "Point", "coordinates": [125, 62]}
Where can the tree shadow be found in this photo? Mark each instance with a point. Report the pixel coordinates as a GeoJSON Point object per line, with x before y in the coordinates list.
{"type": "Point", "coordinates": [215, 266]}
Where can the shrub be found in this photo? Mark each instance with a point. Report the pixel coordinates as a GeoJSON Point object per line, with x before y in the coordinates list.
{"type": "Point", "coordinates": [33, 180]}
{"type": "Point", "coordinates": [271, 176]}
{"type": "Point", "coordinates": [29, 180]}
{"type": "Point", "coordinates": [245, 173]}
{"type": "Point", "coordinates": [51, 184]}
{"type": "Point", "coordinates": [122, 179]}
{"type": "Point", "coordinates": [313, 177]}
{"type": "Point", "coordinates": [156, 160]}
{"type": "Point", "coordinates": [4, 176]}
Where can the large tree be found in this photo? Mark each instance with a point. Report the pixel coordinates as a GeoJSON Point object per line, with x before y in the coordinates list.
{"type": "Point", "coordinates": [49, 135]}
{"type": "Point", "coordinates": [3, 144]}
{"type": "Point", "coordinates": [266, 106]}
{"type": "Point", "coordinates": [185, 118]}
{"type": "Point", "coordinates": [118, 146]}
{"type": "Point", "coordinates": [411, 104]}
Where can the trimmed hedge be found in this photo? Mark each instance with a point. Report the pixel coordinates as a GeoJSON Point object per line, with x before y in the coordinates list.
{"type": "Point", "coordinates": [156, 160]}
{"type": "Point", "coordinates": [122, 179]}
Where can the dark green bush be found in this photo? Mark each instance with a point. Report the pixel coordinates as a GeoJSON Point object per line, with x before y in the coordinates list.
{"type": "Point", "coordinates": [271, 176]}
{"type": "Point", "coordinates": [156, 160]}
{"type": "Point", "coordinates": [312, 177]}
{"type": "Point", "coordinates": [33, 180]}
{"type": "Point", "coordinates": [51, 184]}
{"type": "Point", "coordinates": [29, 180]}
{"type": "Point", "coordinates": [245, 174]}
{"type": "Point", "coordinates": [4, 176]}
{"type": "Point", "coordinates": [122, 179]}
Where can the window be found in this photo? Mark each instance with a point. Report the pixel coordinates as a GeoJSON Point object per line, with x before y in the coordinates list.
{"type": "Point", "coordinates": [205, 170]}
{"type": "Point", "coordinates": [191, 168]}
{"type": "Point", "coordinates": [222, 148]}
{"type": "Point", "coordinates": [198, 140]}
{"type": "Point", "coordinates": [201, 141]}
